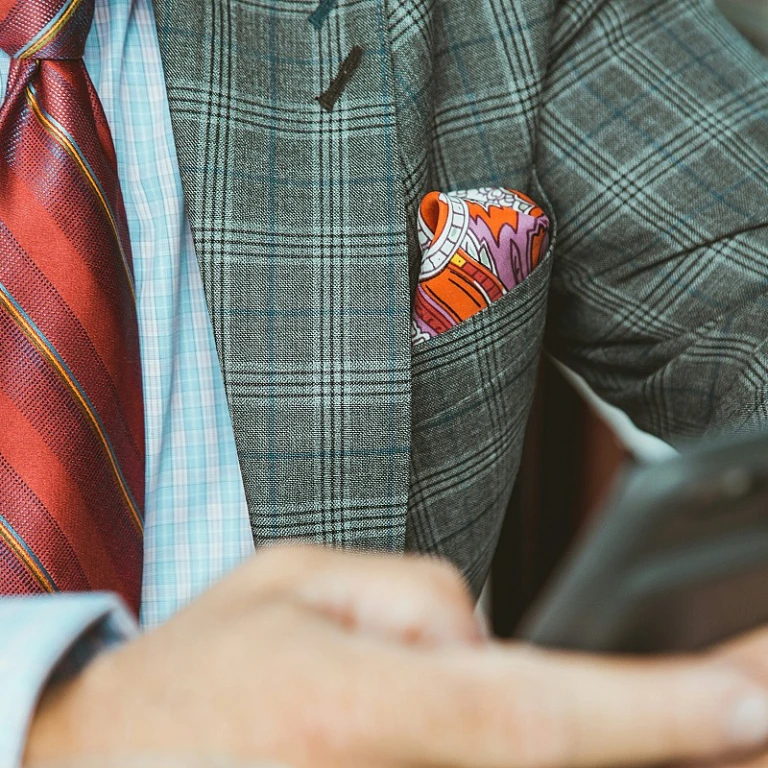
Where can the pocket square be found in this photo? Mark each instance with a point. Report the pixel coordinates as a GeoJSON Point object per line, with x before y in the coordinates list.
{"type": "Point", "coordinates": [476, 245]}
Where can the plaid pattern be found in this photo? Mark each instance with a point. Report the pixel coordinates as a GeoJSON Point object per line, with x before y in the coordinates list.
{"type": "Point", "coordinates": [196, 524]}
{"type": "Point", "coordinates": [299, 224]}
{"type": "Point", "coordinates": [645, 121]}
{"type": "Point", "coordinates": [640, 125]}
{"type": "Point", "coordinates": [656, 132]}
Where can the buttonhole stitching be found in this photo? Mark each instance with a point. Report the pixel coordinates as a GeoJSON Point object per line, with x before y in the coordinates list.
{"type": "Point", "coordinates": [339, 83]}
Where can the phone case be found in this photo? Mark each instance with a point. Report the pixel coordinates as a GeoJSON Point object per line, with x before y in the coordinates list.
{"type": "Point", "coordinates": [678, 559]}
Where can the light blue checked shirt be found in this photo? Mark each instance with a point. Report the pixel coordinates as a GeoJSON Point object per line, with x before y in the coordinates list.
{"type": "Point", "coordinates": [197, 522]}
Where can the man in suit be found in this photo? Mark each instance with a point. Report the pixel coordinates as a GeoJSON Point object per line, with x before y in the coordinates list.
{"type": "Point", "coordinates": [156, 424]}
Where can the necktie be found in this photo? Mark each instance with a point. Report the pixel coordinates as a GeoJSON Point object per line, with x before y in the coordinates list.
{"type": "Point", "coordinates": [71, 408]}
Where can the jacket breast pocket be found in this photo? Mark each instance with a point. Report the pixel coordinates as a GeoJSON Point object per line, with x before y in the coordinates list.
{"type": "Point", "coordinates": [472, 392]}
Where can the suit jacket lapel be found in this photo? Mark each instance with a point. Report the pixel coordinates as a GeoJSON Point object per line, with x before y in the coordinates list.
{"type": "Point", "coordinates": [300, 236]}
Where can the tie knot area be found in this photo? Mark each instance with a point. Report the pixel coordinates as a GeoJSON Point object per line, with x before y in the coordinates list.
{"type": "Point", "coordinates": [45, 29]}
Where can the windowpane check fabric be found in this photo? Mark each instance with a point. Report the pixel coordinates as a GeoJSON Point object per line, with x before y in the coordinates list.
{"type": "Point", "coordinates": [638, 125]}
{"type": "Point", "coordinates": [640, 128]}
{"type": "Point", "coordinates": [72, 451]}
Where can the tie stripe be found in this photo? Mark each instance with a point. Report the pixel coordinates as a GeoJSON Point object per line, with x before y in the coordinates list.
{"type": "Point", "coordinates": [43, 346]}
{"type": "Point", "coordinates": [84, 548]}
{"type": "Point", "coordinates": [72, 447]}
{"type": "Point", "coordinates": [45, 401]}
{"type": "Point", "coordinates": [26, 556]}
{"type": "Point", "coordinates": [49, 32]}
{"type": "Point", "coordinates": [60, 274]}
{"type": "Point", "coordinates": [59, 134]}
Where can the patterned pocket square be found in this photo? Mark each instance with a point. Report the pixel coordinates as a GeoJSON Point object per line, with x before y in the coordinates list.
{"type": "Point", "coordinates": [476, 245]}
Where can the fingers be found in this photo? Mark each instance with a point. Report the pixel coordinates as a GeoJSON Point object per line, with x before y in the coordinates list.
{"type": "Point", "coordinates": [412, 600]}
{"type": "Point", "coordinates": [531, 709]}
{"type": "Point", "coordinates": [756, 761]}
{"type": "Point", "coordinates": [500, 706]}
{"type": "Point", "coordinates": [749, 653]}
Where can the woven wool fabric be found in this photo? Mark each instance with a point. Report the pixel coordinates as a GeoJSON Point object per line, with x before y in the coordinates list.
{"type": "Point", "coordinates": [72, 443]}
{"type": "Point", "coordinates": [639, 125]}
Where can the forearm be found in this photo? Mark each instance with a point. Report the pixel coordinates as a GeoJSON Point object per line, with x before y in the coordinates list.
{"type": "Point", "coordinates": [653, 138]}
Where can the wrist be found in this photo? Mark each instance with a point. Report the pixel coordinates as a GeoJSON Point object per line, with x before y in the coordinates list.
{"type": "Point", "coordinates": [72, 715]}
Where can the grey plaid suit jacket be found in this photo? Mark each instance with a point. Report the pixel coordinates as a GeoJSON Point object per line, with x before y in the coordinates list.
{"type": "Point", "coordinates": [641, 126]}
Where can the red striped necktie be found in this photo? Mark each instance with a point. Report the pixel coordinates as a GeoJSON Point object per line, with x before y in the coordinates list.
{"type": "Point", "coordinates": [71, 408]}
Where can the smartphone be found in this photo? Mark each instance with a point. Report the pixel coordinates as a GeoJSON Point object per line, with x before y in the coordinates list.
{"type": "Point", "coordinates": [676, 561]}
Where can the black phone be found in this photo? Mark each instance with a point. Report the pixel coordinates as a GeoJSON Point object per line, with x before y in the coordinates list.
{"type": "Point", "coordinates": [676, 561]}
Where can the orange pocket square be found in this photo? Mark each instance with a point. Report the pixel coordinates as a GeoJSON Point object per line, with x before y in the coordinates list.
{"type": "Point", "coordinates": [476, 245]}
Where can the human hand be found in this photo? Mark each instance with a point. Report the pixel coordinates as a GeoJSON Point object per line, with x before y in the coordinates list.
{"type": "Point", "coordinates": [316, 659]}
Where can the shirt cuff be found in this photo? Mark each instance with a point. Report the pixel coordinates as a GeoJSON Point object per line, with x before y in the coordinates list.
{"type": "Point", "coordinates": [43, 637]}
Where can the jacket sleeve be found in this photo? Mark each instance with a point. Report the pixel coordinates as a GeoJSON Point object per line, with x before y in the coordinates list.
{"type": "Point", "coordinates": [42, 638]}
{"type": "Point", "coordinates": [653, 149]}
